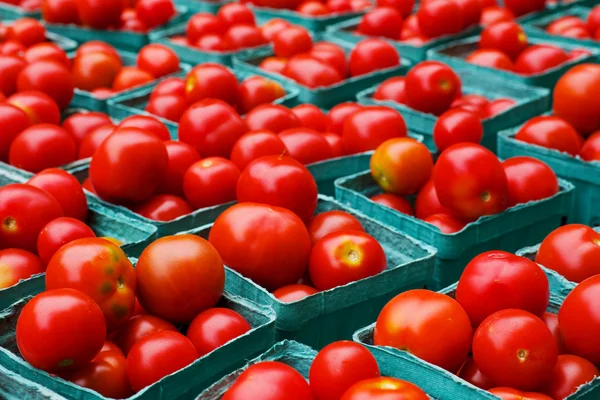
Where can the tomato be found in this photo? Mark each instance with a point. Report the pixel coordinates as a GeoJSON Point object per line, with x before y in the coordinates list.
{"type": "Point", "coordinates": [168, 107]}
{"type": "Point", "coordinates": [372, 55]}
{"type": "Point", "coordinates": [336, 143]}
{"type": "Point", "coordinates": [93, 140]}
{"type": "Point", "coordinates": [272, 117]}
{"type": "Point", "coordinates": [381, 21]}
{"type": "Point", "coordinates": [273, 64]}
{"type": "Point", "coordinates": [404, 7]}
{"type": "Point", "coordinates": [328, 222]}
{"type": "Point", "coordinates": [429, 325]}
{"type": "Point", "coordinates": [465, 186]}
{"type": "Point", "coordinates": [590, 150]}
{"type": "Point", "coordinates": [17, 264]}
{"type": "Point", "coordinates": [81, 124]}
{"type": "Point", "coordinates": [48, 77]}
{"type": "Point", "coordinates": [27, 31]}
{"type": "Point", "coordinates": [128, 166]}
{"type": "Point", "coordinates": [10, 68]}
{"type": "Point", "coordinates": [427, 202]}
{"type": "Point", "coordinates": [457, 126]}
{"type": "Point", "coordinates": [384, 388]}
{"type": "Point", "coordinates": [169, 86]}
{"type": "Point", "coordinates": [471, 11]}
{"type": "Point", "coordinates": [551, 132]}
{"type": "Point", "coordinates": [332, 54]}
{"type": "Point", "coordinates": [498, 106]}
{"type": "Point", "coordinates": [42, 146]}
{"type": "Point", "coordinates": [212, 127]}
{"type": "Point", "coordinates": [529, 179]}
{"type": "Point", "coordinates": [471, 373]}
{"type": "Point", "coordinates": [59, 232]}
{"type": "Point", "coordinates": [506, 393]}
{"type": "Point", "coordinates": [392, 89]}
{"type": "Point", "coordinates": [446, 223]}
{"type": "Point", "coordinates": [514, 348]}
{"type": "Point", "coordinates": [158, 60]}
{"type": "Point", "coordinates": [394, 202]}
{"type": "Point", "coordinates": [292, 293]}
{"type": "Point", "coordinates": [47, 52]}
{"type": "Point", "coordinates": [243, 36]}
{"type": "Point", "coordinates": [255, 144]}
{"type": "Point", "coordinates": [311, 72]}
{"type": "Point", "coordinates": [60, 11]}
{"type": "Point", "coordinates": [163, 207]}
{"type": "Point", "coordinates": [214, 327]}
{"type": "Point", "coordinates": [291, 41]}
{"type": "Point", "coordinates": [338, 366]}
{"type": "Point", "coordinates": [60, 330]}
{"type": "Point", "coordinates": [539, 58]}
{"type": "Point", "coordinates": [100, 14]}
{"type": "Point", "coordinates": [559, 25]}
{"type": "Point", "coordinates": [210, 182]}
{"type": "Point", "coordinates": [154, 13]}
{"type": "Point", "coordinates": [312, 8]}
{"type": "Point", "coordinates": [518, 7]}
{"type": "Point", "coordinates": [257, 90]}
{"type": "Point", "coordinates": [570, 373]}
{"type": "Point", "coordinates": [157, 355]}
{"type": "Point", "coordinates": [87, 185]}
{"type": "Point", "coordinates": [39, 107]}
{"type": "Point", "coordinates": [311, 117]}
{"type": "Point", "coordinates": [470, 99]}
{"type": "Point", "coordinates": [367, 128]}
{"type": "Point", "coordinates": [180, 157]}
{"type": "Point", "coordinates": [235, 14]}
{"type": "Point", "coordinates": [431, 87]}
{"type": "Point", "coordinates": [506, 37]}
{"type": "Point", "coordinates": [491, 58]}
{"type": "Point", "coordinates": [137, 327]}
{"type": "Point", "coordinates": [147, 124]}
{"type": "Point", "coordinates": [129, 77]}
{"type": "Point", "coordinates": [14, 121]}
{"type": "Point", "coordinates": [551, 321]}
{"type": "Point", "coordinates": [201, 24]}
{"type": "Point", "coordinates": [267, 244]}
{"type": "Point", "coordinates": [338, 114]}
{"type": "Point", "coordinates": [95, 70]}
{"type": "Point", "coordinates": [306, 145]}
{"type": "Point", "coordinates": [438, 18]}
{"type": "Point", "coordinates": [97, 46]}
{"type": "Point", "coordinates": [193, 268]}
{"type": "Point", "coordinates": [494, 14]}
{"type": "Point", "coordinates": [577, 32]}
{"type": "Point", "coordinates": [269, 380]}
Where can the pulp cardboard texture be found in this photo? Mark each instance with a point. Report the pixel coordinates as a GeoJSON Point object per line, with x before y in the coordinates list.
{"type": "Point", "coordinates": [521, 225]}
{"type": "Point", "coordinates": [9, 11]}
{"type": "Point", "coordinates": [334, 314]}
{"type": "Point", "coordinates": [15, 387]}
{"type": "Point", "coordinates": [195, 6]}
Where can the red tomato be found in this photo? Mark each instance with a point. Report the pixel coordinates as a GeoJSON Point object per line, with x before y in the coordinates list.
{"type": "Point", "coordinates": [381, 21]}
{"type": "Point", "coordinates": [471, 11]}
{"type": "Point", "coordinates": [438, 18]}
{"type": "Point", "coordinates": [81, 124]}
{"type": "Point", "coordinates": [256, 144]}
{"type": "Point", "coordinates": [306, 145]}
{"type": "Point", "coordinates": [514, 348]}
{"type": "Point", "coordinates": [194, 269]}
{"type": "Point", "coordinates": [551, 321]}
{"type": "Point", "coordinates": [93, 140]}
{"type": "Point", "coordinates": [147, 124]}
{"type": "Point", "coordinates": [559, 25]}
{"type": "Point", "coordinates": [518, 7]}
{"type": "Point", "coordinates": [591, 148]}
{"type": "Point", "coordinates": [427, 202]}
{"type": "Point", "coordinates": [336, 143]}
{"type": "Point", "coordinates": [214, 327]}
{"type": "Point", "coordinates": [267, 244]}
{"type": "Point", "coordinates": [498, 106]}
{"type": "Point", "coordinates": [491, 58]}
{"type": "Point", "coordinates": [243, 36]}
{"type": "Point", "coordinates": [257, 90]}
{"type": "Point", "coordinates": [13, 121]}
{"type": "Point", "coordinates": [313, 8]}
{"type": "Point", "coordinates": [471, 373]}
{"type": "Point", "coordinates": [269, 380]}
{"type": "Point", "coordinates": [39, 107]}
{"type": "Point", "coordinates": [42, 146]}
{"type": "Point", "coordinates": [60, 330]}
{"type": "Point", "coordinates": [169, 86]}
{"type": "Point", "coordinates": [506, 393]}
{"type": "Point", "coordinates": [577, 32]}
{"type": "Point", "coordinates": [181, 156]}
{"type": "Point", "coordinates": [392, 89]}
{"type": "Point", "coordinates": [311, 72]}
{"type": "Point", "coordinates": [212, 127]}
{"type": "Point", "coordinates": [168, 107]}
{"type": "Point", "coordinates": [370, 126]}
{"type": "Point", "coordinates": [48, 77]}
{"type": "Point", "coordinates": [494, 14]}
{"type": "Point", "coordinates": [96, 46]}
{"type": "Point", "coordinates": [201, 24]}
{"type": "Point", "coordinates": [158, 60]}
{"type": "Point", "coordinates": [129, 77]}
{"type": "Point", "coordinates": [211, 81]}
{"type": "Point", "coordinates": [292, 293]}
{"type": "Point", "coordinates": [338, 366]}
{"type": "Point", "coordinates": [404, 7]}
{"type": "Point", "coordinates": [551, 132]}
{"type": "Point", "coordinates": [529, 179]}
{"type": "Point", "coordinates": [394, 202]}
{"type": "Point", "coordinates": [465, 186]}
{"type": "Point", "coordinates": [279, 181]}
{"type": "Point", "coordinates": [17, 264]}
{"type": "Point", "coordinates": [28, 31]}
{"type": "Point", "coordinates": [92, 71]}
{"type": "Point", "coordinates": [60, 11]}
{"type": "Point", "coordinates": [328, 222]}
{"type": "Point", "coordinates": [10, 68]}
{"type": "Point", "coordinates": [272, 117]}
{"type": "Point", "coordinates": [429, 325]}
{"type": "Point", "coordinates": [163, 207]}
{"type": "Point", "coordinates": [234, 14]}
{"type": "Point", "coordinates": [100, 14]}
{"type": "Point", "coordinates": [59, 232]}
{"type": "Point", "coordinates": [291, 41]}
{"type": "Point", "coordinates": [372, 55]}
{"type": "Point", "coordinates": [210, 182]}
{"type": "Point", "coordinates": [338, 114]}
{"type": "Point", "coordinates": [540, 58]}
{"type": "Point", "coordinates": [593, 19]}
{"type": "Point", "coordinates": [431, 87]}
{"type": "Point", "coordinates": [446, 223]}
{"type": "Point", "coordinates": [570, 373]}
{"type": "Point", "coordinates": [157, 355]}
{"type": "Point", "coordinates": [154, 13]}
{"type": "Point", "coordinates": [331, 54]}
{"type": "Point", "coordinates": [87, 184]}
{"type": "Point", "coordinates": [136, 328]}
{"type": "Point", "coordinates": [506, 37]}
{"type": "Point", "coordinates": [311, 116]}
{"type": "Point", "coordinates": [273, 64]}
{"type": "Point", "coordinates": [497, 280]}
{"type": "Point", "coordinates": [384, 388]}
{"type": "Point", "coordinates": [65, 188]}
{"type": "Point", "coordinates": [457, 126]}
{"type": "Point", "coordinates": [47, 52]}
{"type": "Point", "coordinates": [271, 27]}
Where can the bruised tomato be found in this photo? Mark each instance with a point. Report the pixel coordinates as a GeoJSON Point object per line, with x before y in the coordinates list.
{"type": "Point", "coordinates": [214, 327]}
{"type": "Point", "coordinates": [17, 264]}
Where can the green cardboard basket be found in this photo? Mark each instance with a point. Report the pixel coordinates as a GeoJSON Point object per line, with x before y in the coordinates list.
{"type": "Point", "coordinates": [195, 6]}
{"type": "Point", "coordinates": [530, 101]}
{"type": "Point", "coordinates": [454, 55]}
{"type": "Point", "coordinates": [335, 314]}
{"type": "Point", "coordinates": [537, 26]}
{"type": "Point", "coordinates": [182, 384]}
{"type": "Point", "coordinates": [15, 387]}
{"type": "Point", "coordinates": [519, 226]}
{"type": "Point", "coordinates": [9, 11]}
{"type": "Point", "coordinates": [583, 174]}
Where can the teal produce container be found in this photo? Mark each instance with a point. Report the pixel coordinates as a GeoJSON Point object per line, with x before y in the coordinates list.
{"type": "Point", "coordinates": [335, 314]}
{"type": "Point", "coordinates": [518, 226]}
{"type": "Point", "coordinates": [15, 387]}
{"type": "Point", "coordinates": [208, 6]}
{"type": "Point", "coordinates": [9, 11]}
{"type": "Point", "coordinates": [530, 101]}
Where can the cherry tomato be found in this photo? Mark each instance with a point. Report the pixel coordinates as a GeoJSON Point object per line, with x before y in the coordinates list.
{"type": "Point", "coordinates": [147, 124]}
{"type": "Point", "coordinates": [328, 222]}
{"type": "Point", "coordinates": [394, 202]}
{"type": "Point", "coordinates": [17, 264]}
{"type": "Point", "coordinates": [267, 244]}
{"type": "Point", "coordinates": [93, 140]}
{"type": "Point", "coordinates": [272, 117]}
{"type": "Point", "coordinates": [431, 87]}
{"type": "Point", "coordinates": [210, 182]}
{"type": "Point", "coordinates": [291, 41]}
{"type": "Point", "coordinates": [551, 132]}
{"type": "Point", "coordinates": [498, 106]}
{"type": "Point", "coordinates": [338, 114]}
{"type": "Point", "coordinates": [158, 60]}
{"type": "Point", "coordinates": [372, 55]}
{"type": "Point", "coordinates": [92, 71]}
{"type": "Point", "coordinates": [60, 330]}
{"type": "Point", "coordinates": [14, 121]}
{"type": "Point", "coordinates": [129, 77]}
{"type": "Point", "coordinates": [60, 11]}
{"type": "Point", "coordinates": [471, 373]}
{"type": "Point", "coordinates": [169, 86]}
{"type": "Point", "coordinates": [65, 188]}
{"type": "Point", "coordinates": [438, 18]}
{"type": "Point", "coordinates": [214, 327]}
{"type": "Point", "coordinates": [311, 116]}
{"type": "Point", "coordinates": [48, 77]}
{"type": "Point", "coordinates": [427, 202]}
{"type": "Point", "coordinates": [529, 179]}
{"type": "Point", "coordinates": [491, 58]}
{"type": "Point", "coordinates": [457, 126]}
{"type": "Point", "coordinates": [506, 393]}
{"type": "Point", "coordinates": [59, 232]}
{"type": "Point", "coordinates": [384, 388]}
{"type": "Point", "coordinates": [42, 146]}
{"type": "Point", "coordinates": [392, 89]}
{"type": "Point", "coordinates": [331, 54]}
{"type": "Point", "coordinates": [292, 293]}
{"type": "Point", "coordinates": [47, 52]}
{"type": "Point", "coordinates": [539, 58]}
{"type": "Point", "coordinates": [519, 7]}
{"type": "Point", "coordinates": [311, 72]}
{"type": "Point", "coordinates": [367, 128]}
{"type": "Point", "coordinates": [273, 64]}
{"type": "Point", "coordinates": [100, 14]}
{"type": "Point", "coordinates": [201, 24]}
{"type": "Point", "coordinates": [381, 21]}
{"type": "Point", "coordinates": [10, 68]}
{"type": "Point", "coordinates": [137, 327]}
{"type": "Point", "coordinates": [163, 207]}
{"type": "Point", "coordinates": [234, 14]}
{"type": "Point", "coordinates": [257, 90]}
{"type": "Point", "coordinates": [306, 145]}
{"type": "Point", "coordinates": [506, 37]}
{"type": "Point", "coordinates": [154, 13]}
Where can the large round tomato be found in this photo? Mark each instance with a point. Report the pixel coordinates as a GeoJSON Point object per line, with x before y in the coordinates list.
{"type": "Point", "coordinates": [311, 117]}
{"type": "Point", "coordinates": [540, 58]}
{"type": "Point", "coordinates": [181, 157]}
{"type": "Point", "coordinates": [471, 373]}
{"type": "Point", "coordinates": [137, 327]}
{"type": "Point", "coordinates": [42, 146]}
{"type": "Point", "coordinates": [338, 114]}
{"type": "Point", "coordinates": [60, 330]}
{"type": "Point", "coordinates": [507, 37]}
{"type": "Point", "coordinates": [100, 14]}
{"type": "Point", "coordinates": [311, 71]}
{"type": "Point", "coordinates": [17, 264]}
{"type": "Point", "coordinates": [49, 77]}
{"type": "Point", "coordinates": [128, 166]}
{"type": "Point", "coordinates": [291, 41]}
{"type": "Point", "coordinates": [257, 90]}
{"type": "Point", "coordinates": [514, 348]}
{"type": "Point", "coordinates": [551, 132]}
{"type": "Point", "coordinates": [432, 326]}
{"type": "Point", "coordinates": [157, 59]}
{"type": "Point", "coordinates": [148, 124]}
{"type": "Point", "coordinates": [81, 124]}
{"type": "Point", "coordinates": [367, 128]}
{"type": "Point", "coordinates": [497, 280]}
{"type": "Point", "coordinates": [431, 87]}
{"type": "Point", "coordinates": [163, 207]}
{"type": "Point", "coordinates": [428, 203]}
{"type": "Point", "coordinates": [65, 188]}
{"type": "Point", "coordinates": [39, 107]}
{"type": "Point", "coordinates": [506, 393]}
{"type": "Point", "coordinates": [470, 181]}
{"type": "Point", "coordinates": [193, 268]}
{"type": "Point", "coordinates": [154, 13]}
{"type": "Point", "coordinates": [491, 58]}
{"type": "Point", "coordinates": [381, 21]}
{"type": "Point", "coordinates": [384, 388]}
{"type": "Point", "coordinates": [14, 121]}
{"type": "Point", "coordinates": [211, 81]}
{"type": "Point", "coordinates": [254, 145]}
{"type": "Point", "coordinates": [214, 327]}
{"type": "Point", "coordinates": [59, 232]}
{"type": "Point", "coordinates": [570, 373]}
{"type": "Point", "coordinates": [95, 70]}
{"type": "Point", "coordinates": [295, 292]}
{"type": "Point", "coordinates": [529, 179]}
{"type": "Point", "coordinates": [267, 244]}
{"type": "Point", "coordinates": [24, 211]}
{"type": "Point", "coordinates": [372, 55]}
{"type": "Point", "coordinates": [437, 18]}
{"type": "Point", "coordinates": [272, 117]}
{"type": "Point", "coordinates": [457, 126]}
{"type": "Point", "coordinates": [328, 222]}
{"type": "Point", "coordinates": [210, 182]}
{"type": "Point", "coordinates": [394, 202]}
{"type": "Point", "coordinates": [306, 145]}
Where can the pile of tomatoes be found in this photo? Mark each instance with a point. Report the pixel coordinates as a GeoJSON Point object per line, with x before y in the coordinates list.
{"type": "Point", "coordinates": [316, 8]}
{"type": "Point", "coordinates": [574, 27]}
{"type": "Point", "coordinates": [496, 334]}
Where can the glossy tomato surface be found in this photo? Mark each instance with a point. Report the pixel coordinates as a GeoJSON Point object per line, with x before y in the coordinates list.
{"type": "Point", "coordinates": [569, 374]}
{"type": "Point", "coordinates": [332, 221]}
{"type": "Point", "coordinates": [384, 388]}
{"type": "Point", "coordinates": [42, 146]}
{"type": "Point", "coordinates": [367, 128]}
{"type": "Point", "coordinates": [428, 203]}
{"type": "Point", "coordinates": [14, 120]}
{"type": "Point", "coordinates": [551, 132]}
{"type": "Point", "coordinates": [506, 393]}
{"type": "Point", "coordinates": [210, 182]}
{"type": "Point", "coordinates": [371, 55]}
{"type": "Point", "coordinates": [81, 124]}
{"type": "Point", "coordinates": [17, 264]}
{"type": "Point", "coordinates": [272, 117]}
{"type": "Point", "coordinates": [431, 87]}
{"type": "Point", "coordinates": [471, 373]}
{"type": "Point", "coordinates": [59, 232]}
{"type": "Point", "coordinates": [394, 202]}
{"type": "Point", "coordinates": [181, 156]}
{"type": "Point", "coordinates": [507, 37]}
{"type": "Point", "coordinates": [65, 188]}
{"type": "Point", "coordinates": [138, 327]}
{"type": "Point", "coordinates": [256, 144]}
{"type": "Point", "coordinates": [457, 126]}
{"type": "Point", "coordinates": [306, 145]}
{"type": "Point", "coordinates": [292, 293]}
{"type": "Point", "coordinates": [214, 327]}
{"type": "Point", "coordinates": [529, 179]}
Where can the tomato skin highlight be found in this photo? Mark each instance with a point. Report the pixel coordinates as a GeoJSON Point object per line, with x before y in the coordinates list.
{"type": "Point", "coordinates": [138, 327]}
{"type": "Point", "coordinates": [59, 232]}
{"type": "Point", "coordinates": [214, 327]}
{"type": "Point", "coordinates": [17, 264]}
{"type": "Point", "coordinates": [65, 188]}
{"type": "Point", "coordinates": [384, 387]}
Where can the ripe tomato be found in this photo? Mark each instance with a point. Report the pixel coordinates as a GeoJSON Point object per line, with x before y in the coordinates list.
{"type": "Point", "coordinates": [392, 89]}
{"type": "Point", "coordinates": [271, 27]}
{"type": "Point", "coordinates": [446, 223]}
{"type": "Point", "coordinates": [291, 41]}
{"type": "Point", "coordinates": [497, 280]}
{"type": "Point", "coordinates": [100, 14]}
{"type": "Point", "coordinates": [457, 126]}
{"type": "Point", "coordinates": [551, 132]}
{"type": "Point", "coordinates": [431, 87]}
{"type": "Point", "coordinates": [394, 202]}
{"type": "Point", "coordinates": [80, 124]}
{"type": "Point", "coordinates": [381, 21]}
{"type": "Point", "coordinates": [591, 148]}
{"type": "Point", "coordinates": [96, 46]}
{"type": "Point", "coordinates": [210, 182]}
{"type": "Point", "coordinates": [65, 188]}
{"type": "Point", "coordinates": [257, 90]}
{"type": "Point", "coordinates": [47, 52]}
{"type": "Point", "coordinates": [59, 232]}
{"type": "Point", "coordinates": [498, 106]}
{"type": "Point", "coordinates": [427, 202]}
{"type": "Point", "coordinates": [93, 140]}
{"type": "Point", "coordinates": [328, 222]}
{"type": "Point", "coordinates": [60, 330]}
{"type": "Point", "coordinates": [311, 117]}
{"type": "Point", "coordinates": [404, 7]}
{"type": "Point", "coordinates": [273, 64]}
{"type": "Point", "coordinates": [168, 107]}
{"type": "Point", "coordinates": [292, 293]}
{"type": "Point", "coordinates": [269, 380]}
{"type": "Point", "coordinates": [372, 55]}
{"type": "Point", "coordinates": [214, 327]}
{"type": "Point", "coordinates": [154, 13]}
{"type": "Point", "coordinates": [48, 77]}
{"type": "Point", "coordinates": [96, 70]}
{"type": "Point", "coordinates": [558, 26]}
{"type": "Point", "coordinates": [163, 207]}
{"type": "Point", "coordinates": [255, 144]}
{"type": "Point", "coordinates": [234, 14]}
{"type": "Point", "coordinates": [272, 117]}
{"type": "Point", "coordinates": [169, 86]}
{"type": "Point", "coordinates": [267, 244]}
{"type": "Point", "coordinates": [507, 37]}
{"type": "Point", "coordinates": [338, 366]}
{"type": "Point", "coordinates": [129, 77]}
{"type": "Point", "coordinates": [384, 388]}
{"type": "Point", "coordinates": [312, 8]}
{"type": "Point", "coordinates": [181, 156]}
{"type": "Point", "coordinates": [14, 121]}
{"type": "Point", "coordinates": [243, 36]}
{"type": "Point", "coordinates": [338, 114]}
{"type": "Point", "coordinates": [540, 58]}
{"type": "Point", "coordinates": [212, 127]}
{"type": "Point", "coordinates": [438, 18]}
{"type": "Point", "coordinates": [494, 14]}
{"type": "Point", "coordinates": [336, 143]}
{"type": "Point", "coordinates": [529, 179]}
{"type": "Point", "coordinates": [570, 373]}
{"type": "Point", "coordinates": [429, 325]}
{"type": "Point", "coordinates": [577, 32]}
{"type": "Point", "coordinates": [551, 321]}
{"type": "Point", "coordinates": [10, 68]}
{"type": "Point", "coordinates": [148, 124]}
{"type": "Point", "coordinates": [331, 54]}
{"type": "Point", "coordinates": [27, 31]}
{"type": "Point", "coordinates": [60, 11]}
{"type": "Point", "coordinates": [514, 348]}
{"type": "Point", "coordinates": [367, 128]}
{"type": "Point", "coordinates": [158, 60]}
{"type": "Point", "coordinates": [193, 268]}
{"type": "Point", "coordinates": [42, 146]}
{"type": "Point", "coordinates": [491, 58]}
{"type": "Point", "coordinates": [157, 355]}
{"type": "Point", "coordinates": [519, 7]}
{"type": "Point", "coordinates": [471, 11]}
{"type": "Point", "coordinates": [311, 72]}
{"type": "Point", "coordinates": [506, 393]}
{"type": "Point", "coordinates": [306, 145]}
{"type": "Point", "coordinates": [471, 373]}
{"type": "Point", "coordinates": [201, 24]}
{"type": "Point", "coordinates": [17, 264]}
{"type": "Point", "coordinates": [39, 107]}
{"type": "Point", "coordinates": [136, 328]}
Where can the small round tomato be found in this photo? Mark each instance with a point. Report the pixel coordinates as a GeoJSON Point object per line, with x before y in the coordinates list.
{"type": "Point", "coordinates": [243, 36]}
{"type": "Point", "coordinates": [292, 293]}
{"type": "Point", "coordinates": [328, 222]}
{"type": "Point", "coordinates": [157, 355]}
{"type": "Point", "coordinates": [65, 188]}
{"type": "Point", "coordinates": [446, 223]}
{"type": "Point", "coordinates": [201, 24]}
{"type": "Point", "coordinates": [148, 124]}
{"type": "Point", "coordinates": [60, 11]}
{"type": "Point", "coordinates": [506, 37]}
{"type": "Point", "coordinates": [279, 181]}
{"type": "Point", "coordinates": [60, 330]}
{"type": "Point", "coordinates": [506, 393]}
{"type": "Point", "coordinates": [428, 203]}
{"type": "Point", "coordinates": [256, 144]}
{"type": "Point", "coordinates": [551, 132]}
{"type": "Point", "coordinates": [168, 107]}
{"type": "Point", "coordinates": [271, 27]}
{"type": "Point", "coordinates": [129, 77]}
{"type": "Point", "coordinates": [370, 126]}
{"type": "Point", "coordinates": [14, 121]}
{"type": "Point", "coordinates": [551, 321]}
{"type": "Point", "coordinates": [491, 58]}
{"type": "Point", "coordinates": [394, 202]}
{"type": "Point", "coordinates": [80, 124]}
{"type": "Point", "coordinates": [234, 14]}
{"type": "Point", "coordinates": [494, 14]}
{"type": "Point", "coordinates": [570, 373]}
{"type": "Point", "coordinates": [590, 150]}
{"type": "Point", "coordinates": [291, 41]}
{"type": "Point", "coordinates": [39, 107]}
{"type": "Point", "coordinates": [42, 146]}
{"type": "Point", "coordinates": [306, 145]}
{"type": "Point", "coordinates": [93, 140]}
{"type": "Point", "coordinates": [163, 207]}
{"type": "Point", "coordinates": [92, 71]}
{"type": "Point", "coordinates": [438, 18]}
{"type": "Point", "coordinates": [431, 87]}
{"type": "Point", "coordinates": [210, 182]}
{"type": "Point", "coordinates": [384, 388]}
{"type": "Point", "coordinates": [214, 327]}
{"type": "Point", "coordinates": [392, 89]}
{"type": "Point", "coordinates": [59, 232]}
{"type": "Point", "coordinates": [10, 68]}
{"type": "Point", "coordinates": [138, 327]}
{"type": "Point", "coordinates": [429, 325]}
{"type": "Point", "coordinates": [457, 126]}
{"type": "Point", "coordinates": [17, 264]}
{"type": "Point", "coordinates": [195, 271]}
{"type": "Point", "coordinates": [48, 77]}
{"type": "Point", "coordinates": [331, 54]}
{"type": "Point", "coordinates": [498, 106]}
{"type": "Point", "coordinates": [100, 14]}
{"type": "Point", "coordinates": [338, 114]}
{"type": "Point", "coordinates": [273, 64]}
{"type": "Point", "coordinates": [381, 21]}
{"type": "Point", "coordinates": [47, 52]}
{"type": "Point", "coordinates": [311, 116]}
{"type": "Point", "coordinates": [212, 127]}
{"type": "Point", "coordinates": [269, 380]}
{"type": "Point", "coordinates": [518, 7]}
{"type": "Point", "coordinates": [181, 156]}
{"type": "Point", "coordinates": [158, 60]}
{"type": "Point", "coordinates": [529, 179]}
{"type": "Point", "coordinates": [372, 55]}
{"type": "Point", "coordinates": [272, 117]}
{"type": "Point", "coordinates": [28, 31]}
{"type": "Point", "coordinates": [311, 71]}
{"type": "Point", "coordinates": [338, 366]}
{"type": "Point", "coordinates": [267, 244]}
{"type": "Point", "coordinates": [312, 8]}
{"type": "Point", "coordinates": [257, 90]}
{"type": "Point", "coordinates": [155, 13]}
{"type": "Point", "coordinates": [540, 58]}
{"type": "Point", "coordinates": [169, 86]}
{"type": "Point", "coordinates": [471, 373]}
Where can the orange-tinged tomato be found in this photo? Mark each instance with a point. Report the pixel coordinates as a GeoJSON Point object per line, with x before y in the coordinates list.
{"type": "Point", "coordinates": [506, 393]}
{"type": "Point", "coordinates": [384, 388]}
{"type": "Point", "coordinates": [17, 264]}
